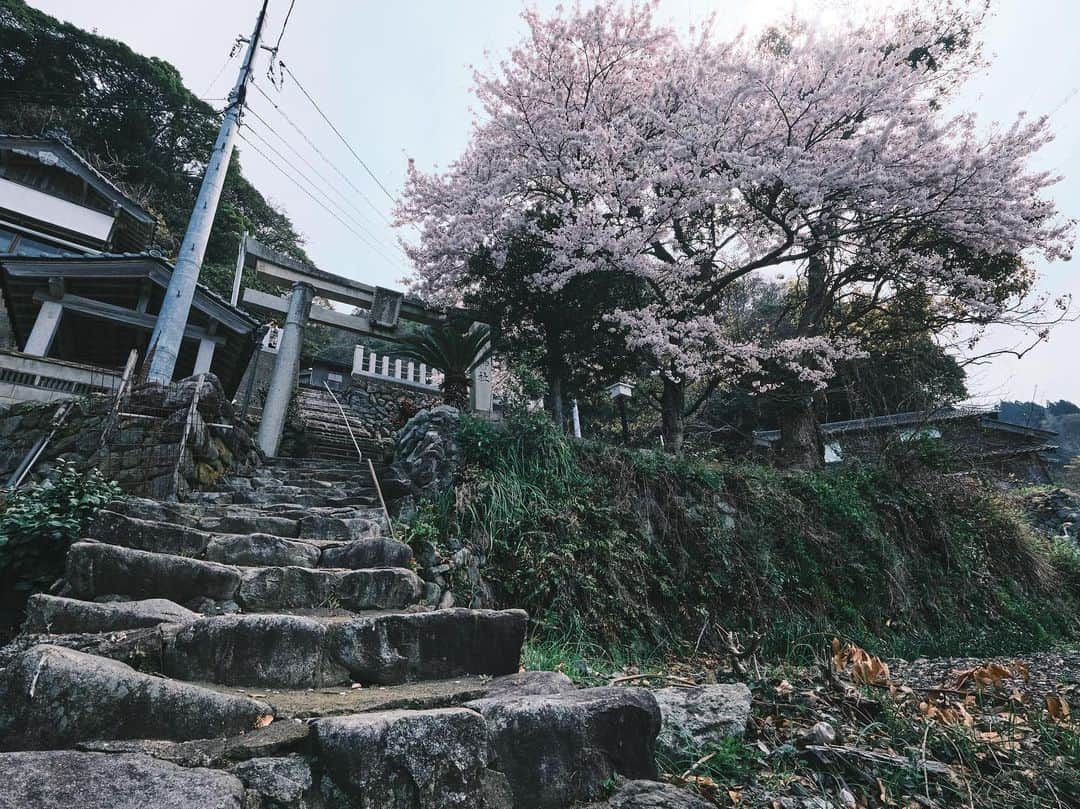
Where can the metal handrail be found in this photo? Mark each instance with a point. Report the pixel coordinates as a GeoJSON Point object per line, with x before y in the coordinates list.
{"type": "Point", "coordinates": [360, 456]}
{"type": "Point", "coordinates": [31, 458]}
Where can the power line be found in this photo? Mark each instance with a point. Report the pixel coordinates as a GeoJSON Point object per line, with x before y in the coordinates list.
{"type": "Point", "coordinates": [313, 198]}
{"type": "Point", "coordinates": [284, 25]}
{"type": "Point", "coordinates": [309, 164]}
{"type": "Point", "coordinates": [316, 186]}
{"type": "Point", "coordinates": [321, 154]}
{"type": "Point", "coordinates": [337, 132]}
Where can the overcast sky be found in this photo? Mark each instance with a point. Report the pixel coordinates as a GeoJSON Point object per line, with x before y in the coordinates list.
{"type": "Point", "coordinates": [395, 78]}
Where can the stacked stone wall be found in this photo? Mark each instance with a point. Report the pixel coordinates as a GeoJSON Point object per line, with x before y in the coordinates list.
{"type": "Point", "coordinates": [385, 407]}
{"type": "Point", "coordinates": [142, 451]}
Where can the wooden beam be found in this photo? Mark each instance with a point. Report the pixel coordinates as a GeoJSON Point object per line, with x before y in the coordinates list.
{"type": "Point", "coordinates": [118, 314]}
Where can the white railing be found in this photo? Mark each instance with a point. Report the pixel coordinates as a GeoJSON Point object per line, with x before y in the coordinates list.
{"type": "Point", "coordinates": [395, 369]}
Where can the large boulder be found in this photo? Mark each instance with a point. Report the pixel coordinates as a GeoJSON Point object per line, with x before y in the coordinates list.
{"type": "Point", "coordinates": [426, 455]}
{"type": "Point", "coordinates": [406, 759]}
{"type": "Point", "coordinates": [96, 569]}
{"type": "Point", "coordinates": [694, 718]}
{"type": "Point", "coordinates": [52, 697]}
{"type": "Point", "coordinates": [276, 783]}
{"type": "Point", "coordinates": [261, 550]}
{"type": "Point", "coordinates": [65, 779]}
{"type": "Point", "coordinates": [557, 749]}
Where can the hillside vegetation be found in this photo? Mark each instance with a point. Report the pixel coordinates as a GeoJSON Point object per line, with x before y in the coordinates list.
{"type": "Point", "coordinates": [131, 116]}
{"type": "Point", "coordinates": [648, 554]}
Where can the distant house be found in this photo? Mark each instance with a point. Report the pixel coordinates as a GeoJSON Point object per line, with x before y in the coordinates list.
{"type": "Point", "coordinates": [80, 286]}
{"type": "Point", "coordinates": [974, 437]}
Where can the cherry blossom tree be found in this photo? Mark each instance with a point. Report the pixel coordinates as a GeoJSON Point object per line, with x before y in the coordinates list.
{"type": "Point", "coordinates": [690, 165]}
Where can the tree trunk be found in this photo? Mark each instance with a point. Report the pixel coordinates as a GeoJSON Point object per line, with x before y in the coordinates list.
{"type": "Point", "coordinates": [555, 367]}
{"type": "Point", "coordinates": [672, 410]}
{"type": "Point", "coordinates": [455, 390]}
{"type": "Point", "coordinates": [555, 394]}
{"type": "Point", "coordinates": [800, 439]}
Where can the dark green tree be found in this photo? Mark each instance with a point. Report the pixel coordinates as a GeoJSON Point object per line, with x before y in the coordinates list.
{"type": "Point", "coordinates": [133, 118]}
{"type": "Point", "coordinates": [455, 349]}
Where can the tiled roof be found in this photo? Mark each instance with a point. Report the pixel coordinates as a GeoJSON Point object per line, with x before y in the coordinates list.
{"type": "Point", "coordinates": [53, 142]}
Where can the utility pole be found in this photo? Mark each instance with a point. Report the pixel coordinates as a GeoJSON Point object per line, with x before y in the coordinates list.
{"type": "Point", "coordinates": [169, 328]}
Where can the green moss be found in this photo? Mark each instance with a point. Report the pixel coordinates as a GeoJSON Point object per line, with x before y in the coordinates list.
{"type": "Point", "coordinates": [645, 552]}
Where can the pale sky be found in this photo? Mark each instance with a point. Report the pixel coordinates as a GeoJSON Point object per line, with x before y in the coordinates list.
{"type": "Point", "coordinates": [395, 78]}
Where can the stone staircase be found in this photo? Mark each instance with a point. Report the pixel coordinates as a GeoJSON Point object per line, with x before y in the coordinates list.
{"type": "Point", "coordinates": [262, 646]}
{"type": "Point", "coordinates": [326, 435]}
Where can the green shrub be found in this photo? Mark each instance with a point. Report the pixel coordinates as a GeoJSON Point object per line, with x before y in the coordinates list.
{"type": "Point", "coordinates": [645, 553]}
{"type": "Point", "coordinates": [38, 525]}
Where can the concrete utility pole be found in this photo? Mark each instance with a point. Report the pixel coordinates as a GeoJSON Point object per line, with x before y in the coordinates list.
{"type": "Point", "coordinates": [169, 329]}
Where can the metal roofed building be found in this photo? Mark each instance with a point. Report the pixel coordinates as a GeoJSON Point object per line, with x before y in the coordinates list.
{"type": "Point", "coordinates": [80, 289]}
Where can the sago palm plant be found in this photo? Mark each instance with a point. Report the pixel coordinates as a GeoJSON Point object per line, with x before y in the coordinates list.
{"type": "Point", "coordinates": [455, 349]}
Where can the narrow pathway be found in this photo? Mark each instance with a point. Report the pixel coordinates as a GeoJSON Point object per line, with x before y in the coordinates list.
{"type": "Point", "coordinates": [275, 618]}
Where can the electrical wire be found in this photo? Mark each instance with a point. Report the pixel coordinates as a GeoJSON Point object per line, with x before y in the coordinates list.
{"type": "Point", "coordinates": [317, 187]}
{"type": "Point", "coordinates": [337, 132]}
{"type": "Point", "coordinates": [322, 154]}
{"type": "Point", "coordinates": [325, 180]}
{"type": "Point", "coordinates": [313, 198]}
{"type": "Point", "coordinates": [284, 25]}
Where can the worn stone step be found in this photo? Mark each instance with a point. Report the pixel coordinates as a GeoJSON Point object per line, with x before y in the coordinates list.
{"type": "Point", "coordinates": [52, 697]}
{"type": "Point", "coordinates": [97, 569]}
{"type": "Point", "coordinates": [297, 651]}
{"type": "Point", "coordinates": [282, 520]}
{"type": "Point", "coordinates": [57, 615]}
{"type": "Point", "coordinates": [440, 752]}
{"type": "Point", "coordinates": [69, 779]}
{"type": "Point", "coordinates": [339, 700]}
{"type": "Point", "coordinates": [556, 750]}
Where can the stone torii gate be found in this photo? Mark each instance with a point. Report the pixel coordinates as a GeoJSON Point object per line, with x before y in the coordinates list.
{"type": "Point", "coordinates": [386, 309]}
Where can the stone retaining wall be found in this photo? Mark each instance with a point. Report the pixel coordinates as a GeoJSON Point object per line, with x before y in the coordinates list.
{"type": "Point", "coordinates": [384, 407]}
{"type": "Point", "coordinates": [143, 447]}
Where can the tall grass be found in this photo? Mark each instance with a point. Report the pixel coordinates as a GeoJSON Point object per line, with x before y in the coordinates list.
{"type": "Point", "coordinates": [644, 554]}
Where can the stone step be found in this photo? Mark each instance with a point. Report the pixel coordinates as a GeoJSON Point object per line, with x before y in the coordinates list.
{"type": "Point", "coordinates": [255, 549]}
{"type": "Point", "coordinates": [297, 651]}
{"type": "Point", "coordinates": [335, 700]}
{"type": "Point", "coordinates": [52, 697]}
{"type": "Point", "coordinates": [55, 615]}
{"type": "Point", "coordinates": [69, 779]}
{"type": "Point", "coordinates": [97, 569]}
{"type": "Point", "coordinates": [314, 483]}
{"type": "Point", "coordinates": [556, 750]}
{"type": "Point", "coordinates": [283, 520]}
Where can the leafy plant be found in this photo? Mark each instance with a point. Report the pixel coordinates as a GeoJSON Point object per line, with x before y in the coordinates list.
{"type": "Point", "coordinates": [37, 526]}
{"type": "Point", "coordinates": [455, 349]}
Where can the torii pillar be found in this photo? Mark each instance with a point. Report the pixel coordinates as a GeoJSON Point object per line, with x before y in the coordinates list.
{"type": "Point", "coordinates": [286, 369]}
